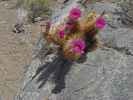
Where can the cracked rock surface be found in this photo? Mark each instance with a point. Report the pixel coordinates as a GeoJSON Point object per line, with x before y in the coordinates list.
{"type": "Point", "coordinates": [107, 74]}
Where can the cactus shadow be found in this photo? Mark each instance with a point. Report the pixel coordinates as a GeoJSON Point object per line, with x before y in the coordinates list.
{"type": "Point", "coordinates": [55, 71]}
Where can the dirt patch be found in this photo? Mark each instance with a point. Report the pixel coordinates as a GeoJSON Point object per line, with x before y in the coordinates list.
{"type": "Point", "coordinates": [15, 53]}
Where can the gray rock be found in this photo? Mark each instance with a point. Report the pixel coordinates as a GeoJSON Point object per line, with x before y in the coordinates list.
{"type": "Point", "coordinates": [120, 39]}
{"type": "Point", "coordinates": [107, 74]}
{"type": "Point", "coordinates": [127, 16]}
{"type": "Point", "coordinates": [1, 98]}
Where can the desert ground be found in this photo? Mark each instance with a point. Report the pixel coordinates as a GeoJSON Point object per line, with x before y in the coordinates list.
{"type": "Point", "coordinates": [15, 53]}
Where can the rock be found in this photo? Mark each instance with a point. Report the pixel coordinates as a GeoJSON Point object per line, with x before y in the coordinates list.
{"type": "Point", "coordinates": [18, 28]}
{"type": "Point", "coordinates": [3, 22]}
{"type": "Point", "coordinates": [120, 39]}
{"type": "Point", "coordinates": [1, 98]}
{"type": "Point", "coordinates": [98, 78]}
{"type": "Point", "coordinates": [106, 74]}
{"type": "Point", "coordinates": [127, 8]}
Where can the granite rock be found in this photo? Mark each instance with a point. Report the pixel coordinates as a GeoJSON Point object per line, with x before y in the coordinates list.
{"type": "Point", "coordinates": [107, 73]}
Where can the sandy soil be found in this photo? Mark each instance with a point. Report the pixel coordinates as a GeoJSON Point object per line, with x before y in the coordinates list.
{"type": "Point", "coordinates": [15, 53]}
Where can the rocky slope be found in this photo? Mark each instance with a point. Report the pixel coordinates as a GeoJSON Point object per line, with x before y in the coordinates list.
{"type": "Point", "coordinates": [107, 73]}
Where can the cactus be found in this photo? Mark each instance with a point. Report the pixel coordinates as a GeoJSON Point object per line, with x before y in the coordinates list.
{"type": "Point", "coordinates": [77, 36]}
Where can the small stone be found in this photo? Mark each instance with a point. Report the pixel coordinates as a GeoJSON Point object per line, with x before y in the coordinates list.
{"type": "Point", "coordinates": [3, 22]}
{"type": "Point", "coordinates": [6, 5]}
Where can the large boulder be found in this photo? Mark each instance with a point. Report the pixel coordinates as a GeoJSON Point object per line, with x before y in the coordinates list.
{"type": "Point", "coordinates": [106, 74]}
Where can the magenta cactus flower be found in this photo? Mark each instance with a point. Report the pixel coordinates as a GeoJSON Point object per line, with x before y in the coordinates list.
{"type": "Point", "coordinates": [77, 46]}
{"type": "Point", "coordinates": [61, 32]}
{"type": "Point", "coordinates": [100, 23]}
{"type": "Point", "coordinates": [75, 13]}
{"type": "Point", "coordinates": [69, 26]}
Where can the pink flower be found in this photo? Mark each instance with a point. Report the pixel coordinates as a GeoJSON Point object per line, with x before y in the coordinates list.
{"type": "Point", "coordinates": [75, 13]}
{"type": "Point", "coordinates": [100, 23]}
{"type": "Point", "coordinates": [69, 26]}
{"type": "Point", "coordinates": [61, 32]}
{"type": "Point", "coordinates": [78, 46]}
